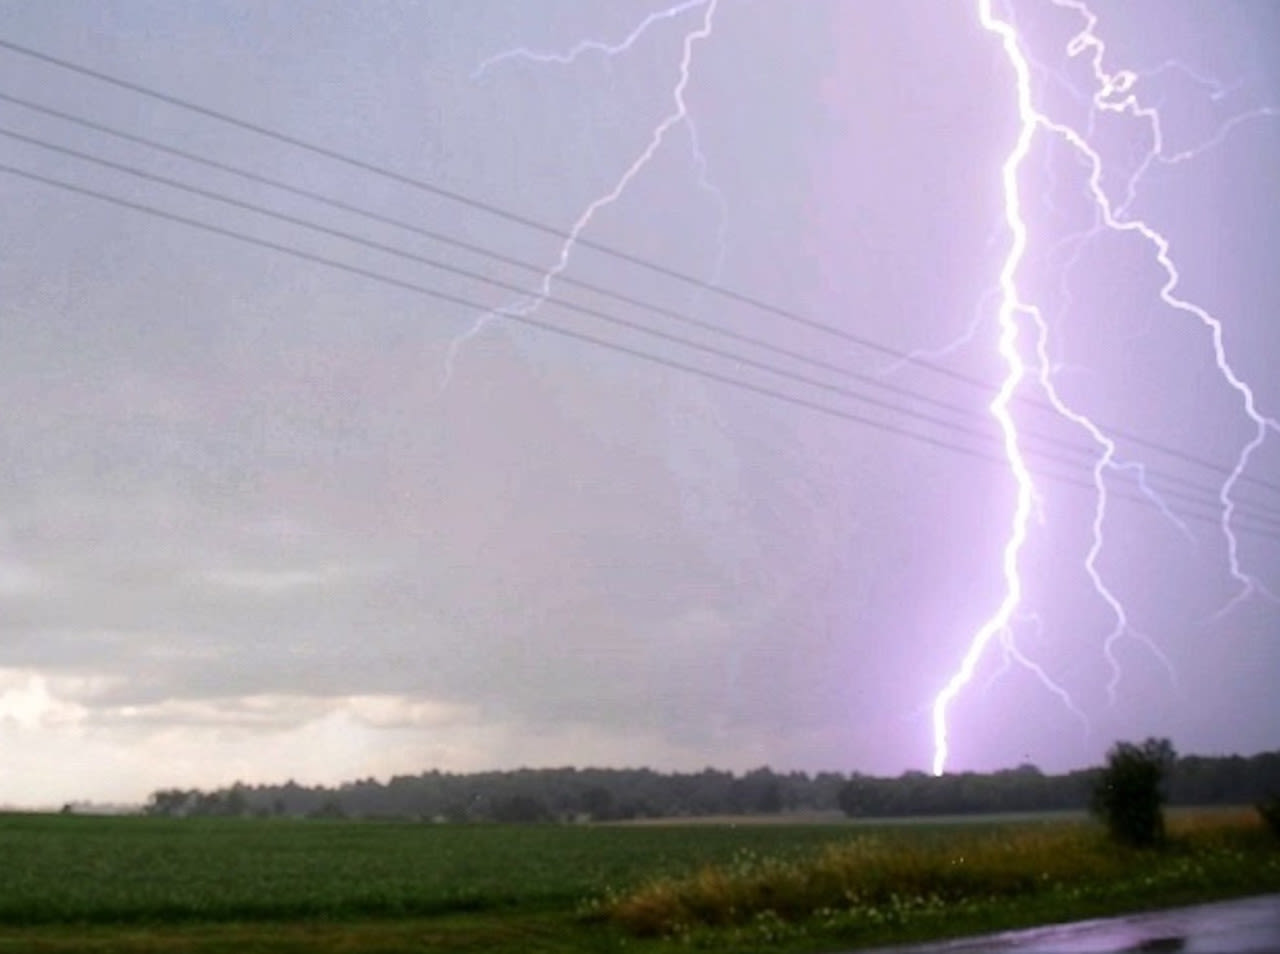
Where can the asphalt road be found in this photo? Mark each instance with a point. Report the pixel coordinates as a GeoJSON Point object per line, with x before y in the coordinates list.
{"type": "Point", "coordinates": [1249, 926]}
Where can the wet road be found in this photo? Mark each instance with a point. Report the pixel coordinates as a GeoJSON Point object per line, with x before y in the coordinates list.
{"type": "Point", "coordinates": [1250, 926]}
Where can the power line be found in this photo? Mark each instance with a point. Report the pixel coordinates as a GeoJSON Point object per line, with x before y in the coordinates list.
{"type": "Point", "coordinates": [1261, 531]}
{"type": "Point", "coordinates": [444, 239]}
{"type": "Point", "coordinates": [528, 222]}
{"type": "Point", "coordinates": [592, 312]}
{"type": "Point", "coordinates": [1068, 446]}
{"type": "Point", "coordinates": [1262, 513]}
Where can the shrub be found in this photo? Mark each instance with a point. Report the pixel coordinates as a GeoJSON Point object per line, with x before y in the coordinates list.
{"type": "Point", "coordinates": [1129, 795]}
{"type": "Point", "coordinates": [1269, 809]}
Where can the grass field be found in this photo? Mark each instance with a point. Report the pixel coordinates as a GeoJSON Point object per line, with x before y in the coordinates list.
{"type": "Point", "coordinates": [206, 885]}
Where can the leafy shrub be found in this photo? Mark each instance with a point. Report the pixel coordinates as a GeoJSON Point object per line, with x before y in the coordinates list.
{"type": "Point", "coordinates": [1129, 794]}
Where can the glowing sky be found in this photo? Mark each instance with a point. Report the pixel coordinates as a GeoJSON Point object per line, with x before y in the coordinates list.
{"type": "Point", "coordinates": [246, 534]}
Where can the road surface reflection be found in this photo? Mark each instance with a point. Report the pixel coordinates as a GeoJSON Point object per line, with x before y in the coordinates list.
{"type": "Point", "coordinates": [1249, 926]}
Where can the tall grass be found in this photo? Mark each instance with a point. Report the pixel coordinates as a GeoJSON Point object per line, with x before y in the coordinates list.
{"type": "Point", "coordinates": [886, 877]}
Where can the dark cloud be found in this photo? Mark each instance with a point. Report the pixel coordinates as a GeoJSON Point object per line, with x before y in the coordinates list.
{"type": "Point", "coordinates": [241, 512]}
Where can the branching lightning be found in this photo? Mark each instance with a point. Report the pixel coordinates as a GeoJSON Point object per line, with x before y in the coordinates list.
{"type": "Point", "coordinates": [1113, 93]}
{"type": "Point", "coordinates": [1109, 86]}
{"type": "Point", "coordinates": [677, 116]}
{"type": "Point", "coordinates": [589, 46]}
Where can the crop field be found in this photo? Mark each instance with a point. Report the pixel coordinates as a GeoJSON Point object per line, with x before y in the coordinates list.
{"type": "Point", "coordinates": [113, 870]}
{"type": "Point", "coordinates": [209, 885]}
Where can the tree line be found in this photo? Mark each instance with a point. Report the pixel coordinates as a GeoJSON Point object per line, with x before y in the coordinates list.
{"type": "Point", "coordinates": [597, 794]}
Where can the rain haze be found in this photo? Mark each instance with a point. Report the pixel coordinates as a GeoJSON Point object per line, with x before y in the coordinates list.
{"type": "Point", "coordinates": [265, 515]}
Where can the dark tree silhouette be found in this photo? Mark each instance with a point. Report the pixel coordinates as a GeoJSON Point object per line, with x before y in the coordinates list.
{"type": "Point", "coordinates": [1129, 793]}
{"type": "Point", "coordinates": [572, 794]}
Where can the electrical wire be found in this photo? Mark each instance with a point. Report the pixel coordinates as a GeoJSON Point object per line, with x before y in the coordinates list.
{"type": "Point", "coordinates": [528, 222]}
{"type": "Point", "coordinates": [530, 321]}
{"type": "Point", "coordinates": [482, 251]}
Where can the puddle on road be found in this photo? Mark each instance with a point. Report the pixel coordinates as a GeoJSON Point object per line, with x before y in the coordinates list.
{"type": "Point", "coordinates": [1156, 945]}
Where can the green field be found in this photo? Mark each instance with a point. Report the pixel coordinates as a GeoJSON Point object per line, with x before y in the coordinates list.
{"type": "Point", "coordinates": [207, 885]}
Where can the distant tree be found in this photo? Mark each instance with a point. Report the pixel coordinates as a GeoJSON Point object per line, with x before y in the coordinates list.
{"type": "Point", "coordinates": [568, 793]}
{"type": "Point", "coordinates": [767, 798]}
{"type": "Point", "coordinates": [171, 801]}
{"type": "Point", "coordinates": [757, 792]}
{"type": "Point", "coordinates": [1129, 793]}
{"type": "Point", "coordinates": [236, 801]}
{"type": "Point", "coordinates": [860, 796]}
{"type": "Point", "coordinates": [331, 808]}
{"type": "Point", "coordinates": [520, 809]}
{"type": "Point", "coordinates": [598, 803]}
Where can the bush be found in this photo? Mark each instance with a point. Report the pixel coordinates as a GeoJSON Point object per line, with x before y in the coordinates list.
{"type": "Point", "coordinates": [1129, 794]}
{"type": "Point", "coordinates": [1269, 809]}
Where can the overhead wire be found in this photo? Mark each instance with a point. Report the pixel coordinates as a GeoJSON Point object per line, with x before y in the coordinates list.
{"type": "Point", "coordinates": [486, 252]}
{"type": "Point", "coordinates": [1252, 509]}
{"type": "Point", "coordinates": [731, 334]}
{"type": "Point", "coordinates": [622, 255]}
{"type": "Point", "coordinates": [473, 305]}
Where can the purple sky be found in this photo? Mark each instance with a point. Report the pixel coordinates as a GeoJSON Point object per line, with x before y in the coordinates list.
{"type": "Point", "coordinates": [247, 532]}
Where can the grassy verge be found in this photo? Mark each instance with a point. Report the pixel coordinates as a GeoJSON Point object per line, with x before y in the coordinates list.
{"type": "Point", "coordinates": [910, 884]}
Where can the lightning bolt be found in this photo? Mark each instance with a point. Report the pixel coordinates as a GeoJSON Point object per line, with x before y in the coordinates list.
{"type": "Point", "coordinates": [677, 116]}
{"type": "Point", "coordinates": [1113, 93]}
{"type": "Point", "coordinates": [1007, 316]}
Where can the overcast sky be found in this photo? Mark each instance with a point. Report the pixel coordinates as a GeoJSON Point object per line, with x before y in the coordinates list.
{"type": "Point", "coordinates": [263, 518]}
